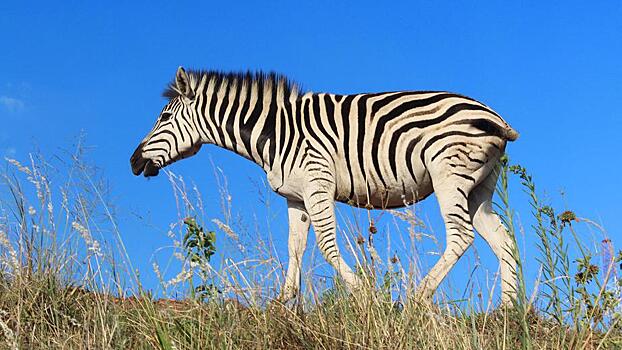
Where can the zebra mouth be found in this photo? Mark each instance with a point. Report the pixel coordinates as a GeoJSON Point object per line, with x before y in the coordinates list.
{"type": "Point", "coordinates": [150, 169]}
{"type": "Point", "coordinates": [144, 166]}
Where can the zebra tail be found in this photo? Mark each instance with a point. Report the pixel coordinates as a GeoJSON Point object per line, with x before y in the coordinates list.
{"type": "Point", "coordinates": [509, 134]}
{"type": "Point", "coordinates": [505, 131]}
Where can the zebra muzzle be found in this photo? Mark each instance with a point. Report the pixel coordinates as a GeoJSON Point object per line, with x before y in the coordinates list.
{"type": "Point", "coordinates": [141, 165]}
{"type": "Point", "coordinates": [151, 169]}
{"type": "Point", "coordinates": [146, 167]}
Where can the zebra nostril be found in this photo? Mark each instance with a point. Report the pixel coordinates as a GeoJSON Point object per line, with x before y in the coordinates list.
{"type": "Point", "coordinates": [137, 153]}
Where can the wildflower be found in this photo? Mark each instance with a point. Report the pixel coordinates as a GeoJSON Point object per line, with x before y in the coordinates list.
{"type": "Point", "coordinates": [587, 274]}
{"type": "Point", "coordinates": [593, 269]}
{"type": "Point", "coordinates": [568, 216]}
{"type": "Point", "coordinates": [372, 228]}
{"type": "Point", "coordinates": [31, 210]}
{"type": "Point", "coordinates": [360, 239]}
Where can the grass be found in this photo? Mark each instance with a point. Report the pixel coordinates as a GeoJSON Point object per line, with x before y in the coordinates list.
{"type": "Point", "coordinates": [63, 286]}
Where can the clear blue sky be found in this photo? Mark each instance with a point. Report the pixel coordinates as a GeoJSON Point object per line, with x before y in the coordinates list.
{"type": "Point", "coordinates": [552, 69]}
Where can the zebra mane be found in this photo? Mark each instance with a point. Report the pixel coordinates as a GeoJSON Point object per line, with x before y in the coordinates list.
{"type": "Point", "coordinates": [269, 81]}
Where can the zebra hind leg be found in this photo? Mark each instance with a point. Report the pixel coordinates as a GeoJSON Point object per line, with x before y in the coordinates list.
{"type": "Point", "coordinates": [452, 185]}
{"type": "Point", "coordinates": [489, 226]}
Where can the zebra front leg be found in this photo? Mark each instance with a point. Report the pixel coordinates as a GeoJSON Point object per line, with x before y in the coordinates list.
{"type": "Point", "coordinates": [319, 200]}
{"type": "Point", "coordinates": [299, 223]}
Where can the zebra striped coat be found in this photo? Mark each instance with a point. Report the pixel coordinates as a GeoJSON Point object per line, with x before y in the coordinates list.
{"type": "Point", "coordinates": [379, 150]}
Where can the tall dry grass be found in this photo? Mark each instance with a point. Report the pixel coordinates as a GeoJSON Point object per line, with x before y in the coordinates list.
{"type": "Point", "coordinates": [63, 285]}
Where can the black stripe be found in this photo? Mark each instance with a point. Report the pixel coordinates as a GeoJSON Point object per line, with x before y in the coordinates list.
{"type": "Point", "coordinates": [330, 114]}
{"type": "Point", "coordinates": [189, 135]}
{"type": "Point", "coordinates": [283, 125]}
{"type": "Point", "coordinates": [324, 218]}
{"type": "Point", "coordinates": [323, 210]}
{"type": "Point", "coordinates": [155, 142]}
{"type": "Point", "coordinates": [246, 128]}
{"type": "Point", "coordinates": [300, 134]}
{"type": "Point", "coordinates": [313, 162]}
{"type": "Point", "coordinates": [461, 236]}
{"type": "Point", "coordinates": [181, 133]}
{"type": "Point", "coordinates": [203, 117]}
{"type": "Point", "coordinates": [160, 132]}
{"type": "Point", "coordinates": [464, 176]}
{"type": "Point", "coordinates": [183, 115]}
{"type": "Point", "coordinates": [454, 215]}
{"type": "Point", "coordinates": [318, 178]}
{"type": "Point", "coordinates": [345, 117]}
{"type": "Point", "coordinates": [289, 119]}
{"type": "Point", "coordinates": [462, 208]}
{"type": "Point", "coordinates": [396, 112]}
{"type": "Point", "coordinates": [212, 114]}
{"type": "Point", "coordinates": [230, 122]}
{"type": "Point", "coordinates": [362, 121]}
{"type": "Point", "coordinates": [486, 125]}
{"type": "Point", "coordinates": [392, 97]}
{"type": "Point", "coordinates": [446, 147]}
{"type": "Point", "coordinates": [462, 192]}
{"type": "Point", "coordinates": [319, 121]}
{"type": "Point", "coordinates": [243, 113]}
{"type": "Point", "coordinates": [317, 192]}
{"type": "Point", "coordinates": [325, 247]}
{"type": "Point", "coordinates": [319, 202]}
{"type": "Point", "coordinates": [436, 138]}
{"type": "Point", "coordinates": [307, 119]}
{"type": "Point", "coordinates": [268, 132]}
{"type": "Point", "coordinates": [155, 149]}
{"type": "Point", "coordinates": [409, 162]}
{"type": "Point", "coordinates": [221, 114]}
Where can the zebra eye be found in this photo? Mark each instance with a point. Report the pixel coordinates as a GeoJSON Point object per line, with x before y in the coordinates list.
{"type": "Point", "coordinates": [166, 116]}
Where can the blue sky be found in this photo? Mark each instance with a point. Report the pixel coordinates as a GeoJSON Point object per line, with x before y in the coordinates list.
{"type": "Point", "coordinates": [551, 69]}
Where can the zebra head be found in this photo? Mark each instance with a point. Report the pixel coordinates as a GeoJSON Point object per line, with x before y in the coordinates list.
{"type": "Point", "coordinates": [174, 136]}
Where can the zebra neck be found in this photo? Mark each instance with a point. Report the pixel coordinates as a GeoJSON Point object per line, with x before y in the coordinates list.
{"type": "Point", "coordinates": [245, 122]}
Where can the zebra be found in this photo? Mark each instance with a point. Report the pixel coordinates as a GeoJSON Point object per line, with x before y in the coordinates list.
{"type": "Point", "coordinates": [373, 150]}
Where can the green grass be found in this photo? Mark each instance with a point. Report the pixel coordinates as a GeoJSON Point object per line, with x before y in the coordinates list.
{"type": "Point", "coordinates": [62, 286]}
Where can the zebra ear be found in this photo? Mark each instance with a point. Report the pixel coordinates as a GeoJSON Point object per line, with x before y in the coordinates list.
{"type": "Point", "coordinates": [183, 84]}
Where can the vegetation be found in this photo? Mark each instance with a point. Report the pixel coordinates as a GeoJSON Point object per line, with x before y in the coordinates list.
{"type": "Point", "coordinates": [63, 286]}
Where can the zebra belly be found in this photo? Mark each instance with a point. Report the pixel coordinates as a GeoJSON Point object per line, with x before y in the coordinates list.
{"type": "Point", "coordinates": [395, 194]}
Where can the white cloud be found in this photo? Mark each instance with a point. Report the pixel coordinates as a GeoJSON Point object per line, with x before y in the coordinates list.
{"type": "Point", "coordinates": [11, 104]}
